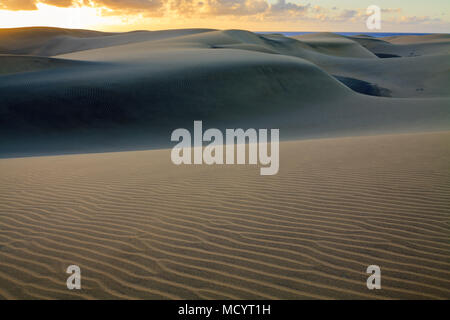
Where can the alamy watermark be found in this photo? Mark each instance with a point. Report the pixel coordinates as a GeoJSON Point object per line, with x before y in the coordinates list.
{"type": "Point", "coordinates": [74, 280]}
{"type": "Point", "coordinates": [213, 153]}
{"type": "Point", "coordinates": [373, 21]}
{"type": "Point", "coordinates": [374, 280]}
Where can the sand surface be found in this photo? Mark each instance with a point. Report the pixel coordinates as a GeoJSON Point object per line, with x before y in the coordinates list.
{"type": "Point", "coordinates": [140, 227]}
{"type": "Point", "coordinates": [364, 165]}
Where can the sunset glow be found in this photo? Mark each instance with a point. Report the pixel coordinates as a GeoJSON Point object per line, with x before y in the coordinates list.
{"type": "Point", "coordinates": [256, 15]}
{"type": "Point", "coordinates": [73, 17]}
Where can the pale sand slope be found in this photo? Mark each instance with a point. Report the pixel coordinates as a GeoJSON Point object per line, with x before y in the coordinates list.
{"type": "Point", "coordinates": [335, 45]}
{"type": "Point", "coordinates": [43, 41]}
{"type": "Point", "coordinates": [141, 227]}
{"type": "Point", "coordinates": [407, 46]}
{"type": "Point", "coordinates": [420, 77]}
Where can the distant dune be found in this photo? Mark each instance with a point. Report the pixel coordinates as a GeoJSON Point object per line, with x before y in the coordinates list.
{"type": "Point", "coordinates": [129, 90]}
{"type": "Point", "coordinates": [52, 41]}
{"type": "Point", "coordinates": [335, 45]}
{"type": "Point", "coordinates": [407, 46]}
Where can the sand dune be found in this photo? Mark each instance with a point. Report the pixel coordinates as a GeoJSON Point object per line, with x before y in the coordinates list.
{"type": "Point", "coordinates": [19, 63]}
{"type": "Point", "coordinates": [133, 95]}
{"type": "Point", "coordinates": [141, 102]}
{"type": "Point", "coordinates": [54, 41]}
{"type": "Point", "coordinates": [424, 76]}
{"type": "Point", "coordinates": [335, 45]}
{"type": "Point", "coordinates": [374, 189]}
{"type": "Point", "coordinates": [418, 39]}
{"type": "Point", "coordinates": [214, 85]}
{"type": "Point", "coordinates": [30, 40]}
{"type": "Point", "coordinates": [407, 46]}
{"type": "Point", "coordinates": [140, 227]}
{"type": "Point", "coordinates": [421, 77]}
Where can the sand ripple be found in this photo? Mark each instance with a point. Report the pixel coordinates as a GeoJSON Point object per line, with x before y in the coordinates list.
{"type": "Point", "coordinates": [140, 227]}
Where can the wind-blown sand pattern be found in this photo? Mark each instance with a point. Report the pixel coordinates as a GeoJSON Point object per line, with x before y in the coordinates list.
{"type": "Point", "coordinates": [140, 227]}
{"type": "Point", "coordinates": [374, 189]}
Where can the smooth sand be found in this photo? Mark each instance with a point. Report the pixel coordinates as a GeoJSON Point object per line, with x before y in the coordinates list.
{"type": "Point", "coordinates": [130, 90]}
{"type": "Point", "coordinates": [407, 46]}
{"type": "Point", "coordinates": [141, 227]}
{"type": "Point", "coordinates": [45, 41]}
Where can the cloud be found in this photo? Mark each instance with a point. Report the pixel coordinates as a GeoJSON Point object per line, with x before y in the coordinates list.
{"type": "Point", "coordinates": [348, 14]}
{"type": "Point", "coordinates": [415, 19]}
{"type": "Point", "coordinates": [18, 4]}
{"type": "Point", "coordinates": [181, 7]}
{"type": "Point", "coordinates": [391, 10]}
{"type": "Point", "coordinates": [58, 3]}
{"type": "Point", "coordinates": [237, 7]}
{"type": "Point", "coordinates": [318, 9]}
{"type": "Point", "coordinates": [114, 5]}
{"type": "Point", "coordinates": [128, 4]}
{"type": "Point", "coordinates": [127, 7]}
{"type": "Point", "coordinates": [187, 7]}
{"type": "Point", "coordinates": [247, 10]}
{"type": "Point", "coordinates": [281, 6]}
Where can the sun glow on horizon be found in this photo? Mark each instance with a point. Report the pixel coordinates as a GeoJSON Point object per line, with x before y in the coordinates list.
{"type": "Point", "coordinates": [92, 18]}
{"type": "Point", "coordinates": [252, 15]}
{"type": "Point", "coordinates": [77, 17]}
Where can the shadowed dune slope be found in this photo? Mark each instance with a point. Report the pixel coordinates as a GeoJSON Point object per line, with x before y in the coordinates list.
{"type": "Point", "coordinates": [155, 97]}
{"type": "Point", "coordinates": [141, 227]}
{"type": "Point", "coordinates": [17, 63]}
{"type": "Point", "coordinates": [139, 102]}
{"type": "Point", "coordinates": [132, 95]}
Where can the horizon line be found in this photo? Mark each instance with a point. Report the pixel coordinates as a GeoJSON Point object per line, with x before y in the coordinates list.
{"type": "Point", "coordinates": [257, 31]}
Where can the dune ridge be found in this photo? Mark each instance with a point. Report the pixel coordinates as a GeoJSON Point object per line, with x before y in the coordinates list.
{"type": "Point", "coordinates": [44, 41]}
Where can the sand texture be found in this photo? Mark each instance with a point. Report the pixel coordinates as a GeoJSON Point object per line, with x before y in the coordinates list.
{"type": "Point", "coordinates": [140, 227]}
{"type": "Point", "coordinates": [364, 173]}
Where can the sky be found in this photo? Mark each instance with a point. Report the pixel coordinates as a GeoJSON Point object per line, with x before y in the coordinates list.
{"type": "Point", "coordinates": [415, 16]}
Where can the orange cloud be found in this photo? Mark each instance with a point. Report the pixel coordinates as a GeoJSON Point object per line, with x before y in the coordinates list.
{"type": "Point", "coordinates": [18, 4]}
{"type": "Point", "coordinates": [242, 10]}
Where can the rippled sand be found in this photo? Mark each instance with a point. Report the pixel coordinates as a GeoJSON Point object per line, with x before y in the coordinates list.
{"type": "Point", "coordinates": [140, 227]}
